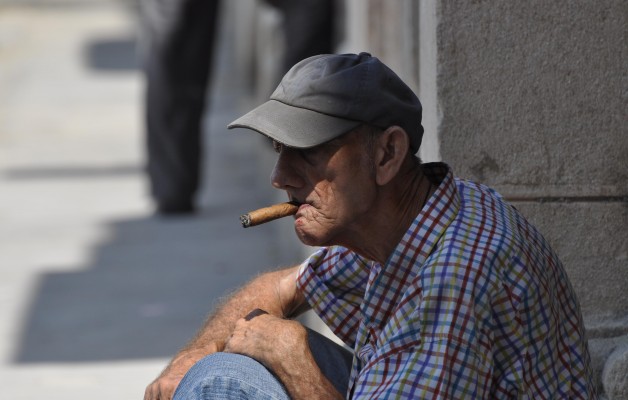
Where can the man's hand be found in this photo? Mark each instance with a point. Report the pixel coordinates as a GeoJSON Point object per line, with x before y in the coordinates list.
{"type": "Point", "coordinates": [268, 339]}
{"type": "Point", "coordinates": [166, 383]}
{"type": "Point", "coordinates": [281, 345]}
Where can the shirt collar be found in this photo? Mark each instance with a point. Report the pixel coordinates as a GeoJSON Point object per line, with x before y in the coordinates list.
{"type": "Point", "coordinates": [414, 248]}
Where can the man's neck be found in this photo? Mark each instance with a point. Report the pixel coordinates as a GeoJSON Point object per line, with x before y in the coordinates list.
{"type": "Point", "coordinates": [398, 205]}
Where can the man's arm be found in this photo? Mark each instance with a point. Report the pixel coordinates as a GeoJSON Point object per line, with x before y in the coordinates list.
{"type": "Point", "coordinates": [275, 292]}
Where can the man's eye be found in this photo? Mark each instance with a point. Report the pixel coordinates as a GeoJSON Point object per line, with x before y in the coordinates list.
{"type": "Point", "coordinates": [277, 146]}
{"type": "Point", "coordinates": [309, 155]}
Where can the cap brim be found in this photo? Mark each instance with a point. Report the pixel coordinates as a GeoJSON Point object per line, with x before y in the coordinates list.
{"type": "Point", "coordinates": [294, 126]}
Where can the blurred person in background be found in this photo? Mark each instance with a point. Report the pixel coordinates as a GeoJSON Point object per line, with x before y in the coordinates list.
{"type": "Point", "coordinates": [177, 53]}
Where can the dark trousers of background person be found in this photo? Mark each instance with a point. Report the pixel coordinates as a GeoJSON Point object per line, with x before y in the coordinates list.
{"type": "Point", "coordinates": [177, 47]}
{"type": "Point", "coordinates": [178, 38]}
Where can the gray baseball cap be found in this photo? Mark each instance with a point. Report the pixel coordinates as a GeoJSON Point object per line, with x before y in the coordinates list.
{"type": "Point", "coordinates": [325, 96]}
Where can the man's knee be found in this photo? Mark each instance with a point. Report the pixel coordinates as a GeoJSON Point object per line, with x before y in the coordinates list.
{"type": "Point", "coordinates": [229, 376]}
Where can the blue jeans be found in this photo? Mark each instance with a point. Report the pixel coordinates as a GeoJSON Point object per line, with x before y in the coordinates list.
{"type": "Point", "coordinates": [233, 376]}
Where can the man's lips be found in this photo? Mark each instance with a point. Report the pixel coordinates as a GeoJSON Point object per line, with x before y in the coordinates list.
{"type": "Point", "coordinates": [302, 207]}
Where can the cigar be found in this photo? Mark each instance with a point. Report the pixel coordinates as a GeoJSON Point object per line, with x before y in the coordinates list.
{"type": "Point", "coordinates": [268, 214]}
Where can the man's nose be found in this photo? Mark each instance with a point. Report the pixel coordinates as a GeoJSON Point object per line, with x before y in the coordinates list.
{"type": "Point", "coordinates": [285, 174]}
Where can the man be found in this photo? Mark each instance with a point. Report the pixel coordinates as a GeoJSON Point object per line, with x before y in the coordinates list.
{"type": "Point", "coordinates": [441, 288]}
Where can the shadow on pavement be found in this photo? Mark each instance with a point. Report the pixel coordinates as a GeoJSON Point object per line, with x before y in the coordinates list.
{"type": "Point", "coordinates": [147, 291]}
{"type": "Point", "coordinates": [151, 282]}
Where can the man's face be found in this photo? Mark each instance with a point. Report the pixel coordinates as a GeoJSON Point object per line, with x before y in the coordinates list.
{"type": "Point", "coordinates": [335, 183]}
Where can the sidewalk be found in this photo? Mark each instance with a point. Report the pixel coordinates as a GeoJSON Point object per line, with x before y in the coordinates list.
{"type": "Point", "coordinates": [95, 292]}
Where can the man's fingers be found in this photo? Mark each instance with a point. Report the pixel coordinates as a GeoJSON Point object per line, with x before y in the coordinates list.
{"type": "Point", "coordinates": [165, 385]}
{"type": "Point", "coordinates": [160, 390]}
{"type": "Point", "coordinates": [151, 393]}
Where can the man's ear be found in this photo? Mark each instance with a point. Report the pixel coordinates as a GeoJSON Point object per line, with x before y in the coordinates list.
{"type": "Point", "coordinates": [390, 152]}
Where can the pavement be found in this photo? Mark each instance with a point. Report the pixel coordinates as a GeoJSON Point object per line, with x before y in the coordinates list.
{"type": "Point", "coordinates": [96, 292]}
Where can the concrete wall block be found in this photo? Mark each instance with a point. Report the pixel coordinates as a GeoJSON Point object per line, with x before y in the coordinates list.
{"type": "Point", "coordinates": [601, 350]}
{"type": "Point", "coordinates": [533, 94]}
{"type": "Point", "coordinates": [592, 243]}
{"type": "Point", "coordinates": [615, 374]}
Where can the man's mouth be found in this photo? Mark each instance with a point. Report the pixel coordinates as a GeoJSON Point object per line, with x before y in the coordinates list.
{"type": "Point", "coordinates": [302, 207]}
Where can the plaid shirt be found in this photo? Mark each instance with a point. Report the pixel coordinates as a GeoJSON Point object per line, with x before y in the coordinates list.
{"type": "Point", "coordinates": [472, 303]}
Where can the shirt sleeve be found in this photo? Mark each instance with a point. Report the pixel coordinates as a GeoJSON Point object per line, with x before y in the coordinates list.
{"type": "Point", "coordinates": [333, 280]}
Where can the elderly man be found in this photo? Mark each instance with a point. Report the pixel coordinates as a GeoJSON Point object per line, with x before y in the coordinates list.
{"type": "Point", "coordinates": [441, 288]}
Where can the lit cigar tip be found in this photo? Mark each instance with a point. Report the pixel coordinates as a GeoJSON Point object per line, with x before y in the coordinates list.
{"type": "Point", "coordinates": [245, 220]}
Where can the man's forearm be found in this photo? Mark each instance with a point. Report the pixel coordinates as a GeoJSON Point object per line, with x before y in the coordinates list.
{"type": "Point", "coordinates": [274, 292]}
